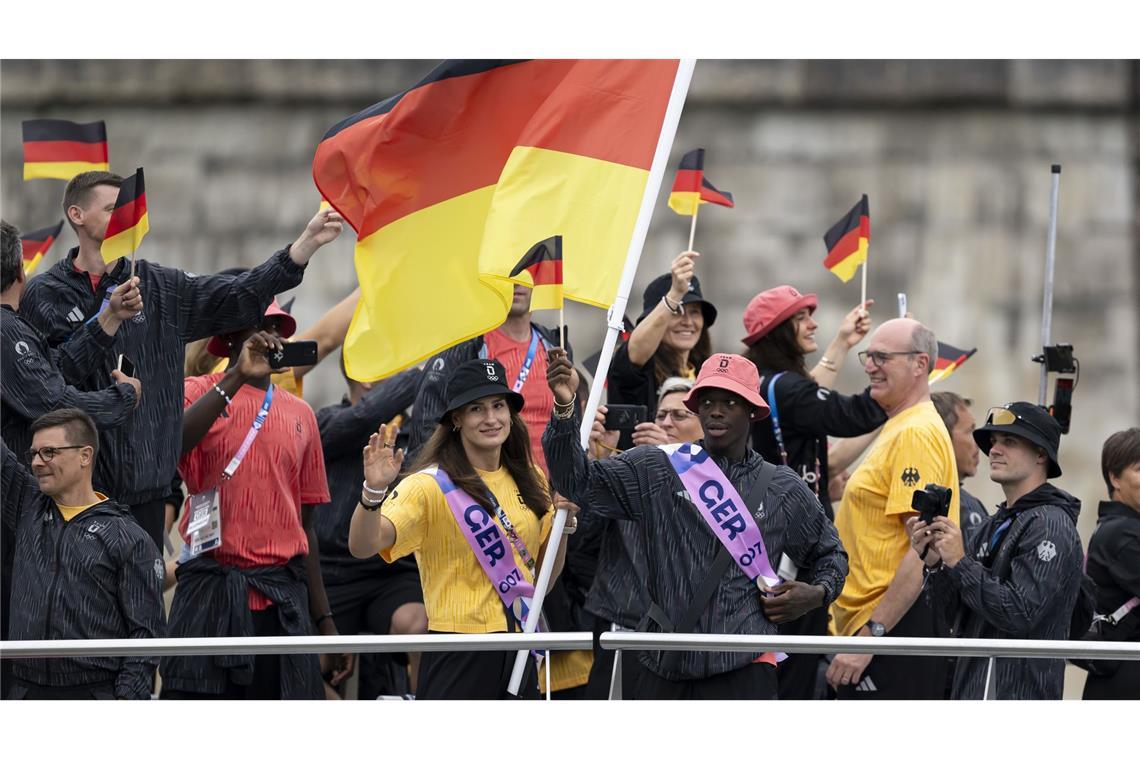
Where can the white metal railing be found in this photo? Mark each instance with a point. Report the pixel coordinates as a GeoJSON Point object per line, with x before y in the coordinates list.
{"type": "Point", "coordinates": [442, 642]}
{"type": "Point", "coordinates": [445, 642]}
{"type": "Point", "coordinates": [707, 642]}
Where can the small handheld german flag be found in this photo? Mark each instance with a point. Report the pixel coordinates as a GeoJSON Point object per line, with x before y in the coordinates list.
{"type": "Point", "coordinates": [129, 222]}
{"type": "Point", "coordinates": [847, 241]}
{"type": "Point", "coordinates": [544, 262]}
{"type": "Point", "coordinates": [58, 149]}
{"type": "Point", "coordinates": [691, 189]}
{"type": "Point", "coordinates": [36, 244]}
{"type": "Point", "coordinates": [949, 359]}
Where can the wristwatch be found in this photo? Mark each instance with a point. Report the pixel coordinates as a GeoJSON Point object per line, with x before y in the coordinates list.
{"type": "Point", "coordinates": [877, 629]}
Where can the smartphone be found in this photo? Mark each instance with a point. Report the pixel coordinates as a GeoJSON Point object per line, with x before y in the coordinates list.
{"type": "Point", "coordinates": [126, 366]}
{"type": "Point", "coordinates": [625, 416]}
{"type": "Point", "coordinates": [299, 353]}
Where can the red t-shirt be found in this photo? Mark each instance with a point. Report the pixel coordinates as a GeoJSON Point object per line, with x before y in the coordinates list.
{"type": "Point", "coordinates": [539, 400]}
{"type": "Point", "coordinates": [283, 469]}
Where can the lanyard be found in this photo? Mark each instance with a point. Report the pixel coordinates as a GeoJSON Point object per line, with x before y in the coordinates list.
{"type": "Point", "coordinates": [524, 370]}
{"type": "Point", "coordinates": [809, 478]}
{"type": "Point", "coordinates": [995, 539]}
{"type": "Point", "coordinates": [254, 429]}
{"type": "Point", "coordinates": [512, 534]}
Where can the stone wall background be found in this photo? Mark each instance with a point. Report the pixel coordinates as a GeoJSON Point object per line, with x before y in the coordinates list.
{"type": "Point", "coordinates": [954, 155]}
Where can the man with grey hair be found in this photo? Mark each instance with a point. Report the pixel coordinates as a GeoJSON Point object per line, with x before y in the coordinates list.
{"type": "Point", "coordinates": [883, 594]}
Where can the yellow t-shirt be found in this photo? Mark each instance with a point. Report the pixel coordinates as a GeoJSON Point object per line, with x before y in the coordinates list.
{"type": "Point", "coordinates": [569, 670]}
{"type": "Point", "coordinates": [70, 513]}
{"type": "Point", "coordinates": [913, 449]}
{"type": "Point", "coordinates": [457, 593]}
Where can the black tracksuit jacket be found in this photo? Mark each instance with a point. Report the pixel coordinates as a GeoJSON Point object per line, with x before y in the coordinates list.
{"type": "Point", "coordinates": [138, 459]}
{"type": "Point", "coordinates": [1019, 584]}
{"type": "Point", "coordinates": [97, 576]}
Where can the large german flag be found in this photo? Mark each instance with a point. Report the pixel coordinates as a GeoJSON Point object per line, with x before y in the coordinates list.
{"type": "Point", "coordinates": [691, 188]}
{"type": "Point", "coordinates": [847, 241]}
{"type": "Point", "coordinates": [543, 262]}
{"type": "Point", "coordinates": [447, 182]}
{"type": "Point", "coordinates": [37, 243]}
{"type": "Point", "coordinates": [129, 222]}
{"type": "Point", "coordinates": [949, 359]}
{"type": "Point", "coordinates": [57, 149]}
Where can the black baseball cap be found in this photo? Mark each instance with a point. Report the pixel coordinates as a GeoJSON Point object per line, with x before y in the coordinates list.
{"type": "Point", "coordinates": [1025, 420]}
{"type": "Point", "coordinates": [659, 287]}
{"type": "Point", "coordinates": [478, 379]}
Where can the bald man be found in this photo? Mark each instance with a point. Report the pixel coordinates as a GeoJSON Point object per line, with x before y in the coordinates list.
{"type": "Point", "coordinates": [883, 594]}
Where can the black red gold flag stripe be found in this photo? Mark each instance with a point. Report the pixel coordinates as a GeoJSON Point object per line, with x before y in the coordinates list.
{"type": "Point", "coordinates": [949, 359]}
{"type": "Point", "coordinates": [544, 264]}
{"type": "Point", "coordinates": [447, 182]}
{"type": "Point", "coordinates": [36, 244]}
{"type": "Point", "coordinates": [691, 188]}
{"type": "Point", "coordinates": [58, 149]}
{"type": "Point", "coordinates": [129, 221]}
{"type": "Point", "coordinates": [847, 241]}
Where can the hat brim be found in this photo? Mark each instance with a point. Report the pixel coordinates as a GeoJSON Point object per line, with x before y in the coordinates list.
{"type": "Point", "coordinates": [760, 407]}
{"type": "Point", "coordinates": [810, 300]}
{"type": "Point", "coordinates": [515, 400]}
{"type": "Point", "coordinates": [286, 329]}
{"type": "Point", "coordinates": [982, 438]}
{"type": "Point", "coordinates": [707, 309]}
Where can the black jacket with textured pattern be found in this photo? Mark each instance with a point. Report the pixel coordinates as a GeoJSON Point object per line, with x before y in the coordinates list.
{"type": "Point", "coordinates": [138, 459]}
{"type": "Point", "coordinates": [1019, 584]}
{"type": "Point", "coordinates": [97, 576]}
{"type": "Point", "coordinates": [641, 485]}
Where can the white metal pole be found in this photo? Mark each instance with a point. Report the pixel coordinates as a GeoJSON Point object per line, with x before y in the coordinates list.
{"type": "Point", "coordinates": [614, 324]}
{"type": "Point", "coordinates": [1047, 305]}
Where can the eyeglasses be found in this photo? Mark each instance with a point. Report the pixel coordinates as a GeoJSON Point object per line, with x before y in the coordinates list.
{"type": "Point", "coordinates": [999, 415]}
{"type": "Point", "coordinates": [678, 415]}
{"type": "Point", "coordinates": [47, 453]}
{"type": "Point", "coordinates": [882, 357]}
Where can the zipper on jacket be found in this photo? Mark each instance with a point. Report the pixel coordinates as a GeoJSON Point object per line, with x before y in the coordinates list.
{"type": "Point", "coordinates": [51, 590]}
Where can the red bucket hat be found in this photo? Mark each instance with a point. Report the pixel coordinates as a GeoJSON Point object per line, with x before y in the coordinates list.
{"type": "Point", "coordinates": [733, 373]}
{"type": "Point", "coordinates": [288, 326]}
{"type": "Point", "coordinates": [768, 309]}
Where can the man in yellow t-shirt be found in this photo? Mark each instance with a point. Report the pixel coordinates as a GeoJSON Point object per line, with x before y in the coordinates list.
{"type": "Point", "coordinates": [883, 594]}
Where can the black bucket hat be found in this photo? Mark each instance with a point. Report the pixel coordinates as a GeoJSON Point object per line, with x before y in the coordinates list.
{"type": "Point", "coordinates": [657, 289]}
{"type": "Point", "coordinates": [1025, 420]}
{"type": "Point", "coordinates": [478, 379]}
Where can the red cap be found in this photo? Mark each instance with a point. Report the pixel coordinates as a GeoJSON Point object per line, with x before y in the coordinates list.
{"type": "Point", "coordinates": [733, 373]}
{"type": "Point", "coordinates": [773, 306]}
{"type": "Point", "coordinates": [288, 326]}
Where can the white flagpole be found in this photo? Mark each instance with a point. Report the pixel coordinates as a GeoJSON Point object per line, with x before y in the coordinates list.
{"type": "Point", "coordinates": [1047, 301]}
{"type": "Point", "coordinates": [693, 225]}
{"type": "Point", "coordinates": [614, 328]}
{"type": "Point", "coordinates": [863, 300]}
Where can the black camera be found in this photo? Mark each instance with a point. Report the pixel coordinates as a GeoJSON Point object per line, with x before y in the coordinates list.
{"type": "Point", "coordinates": [931, 501]}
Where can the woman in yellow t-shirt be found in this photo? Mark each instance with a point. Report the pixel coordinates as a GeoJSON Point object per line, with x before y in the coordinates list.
{"type": "Point", "coordinates": [475, 504]}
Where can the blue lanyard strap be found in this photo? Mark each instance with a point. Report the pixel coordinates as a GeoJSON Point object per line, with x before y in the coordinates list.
{"type": "Point", "coordinates": [995, 539]}
{"type": "Point", "coordinates": [254, 429]}
{"type": "Point", "coordinates": [524, 371]}
{"type": "Point", "coordinates": [775, 417]}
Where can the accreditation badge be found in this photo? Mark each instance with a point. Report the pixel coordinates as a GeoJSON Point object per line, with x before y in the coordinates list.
{"type": "Point", "coordinates": [205, 526]}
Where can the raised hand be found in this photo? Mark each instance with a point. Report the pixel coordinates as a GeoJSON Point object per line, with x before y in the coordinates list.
{"type": "Point", "coordinates": [321, 230]}
{"type": "Point", "coordinates": [253, 361]}
{"type": "Point", "coordinates": [682, 272]}
{"type": "Point", "coordinates": [382, 460]}
{"type": "Point", "coordinates": [560, 376]}
{"type": "Point", "coordinates": [856, 324]}
{"type": "Point", "coordinates": [606, 440]}
{"type": "Point", "coordinates": [126, 300]}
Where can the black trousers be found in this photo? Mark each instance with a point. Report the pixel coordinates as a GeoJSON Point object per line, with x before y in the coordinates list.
{"type": "Point", "coordinates": [601, 672]}
{"type": "Point", "coordinates": [902, 677]}
{"type": "Point", "coordinates": [1123, 684]}
{"type": "Point", "coordinates": [753, 681]}
{"type": "Point", "coordinates": [266, 683]}
{"type": "Point", "coordinates": [151, 515]}
{"type": "Point", "coordinates": [799, 675]}
{"type": "Point", "coordinates": [472, 675]}
{"type": "Point", "coordinates": [20, 689]}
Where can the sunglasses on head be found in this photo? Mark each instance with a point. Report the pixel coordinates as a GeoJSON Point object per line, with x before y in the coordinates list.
{"type": "Point", "coordinates": [1000, 415]}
